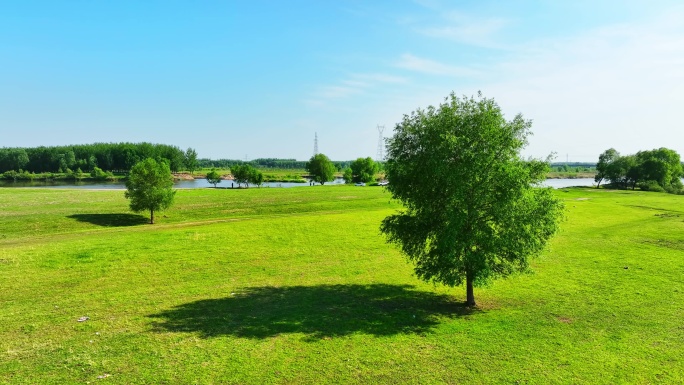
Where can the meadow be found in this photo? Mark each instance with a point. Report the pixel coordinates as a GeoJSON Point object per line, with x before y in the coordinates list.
{"type": "Point", "coordinates": [297, 286]}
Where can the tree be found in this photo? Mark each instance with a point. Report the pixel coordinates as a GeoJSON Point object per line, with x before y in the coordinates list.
{"type": "Point", "coordinates": [149, 187]}
{"type": "Point", "coordinates": [99, 174]}
{"type": "Point", "coordinates": [191, 161]}
{"type": "Point", "coordinates": [363, 170]}
{"type": "Point", "coordinates": [347, 176]}
{"type": "Point", "coordinates": [13, 159]}
{"type": "Point", "coordinates": [624, 171]}
{"type": "Point", "coordinates": [321, 169]}
{"type": "Point", "coordinates": [662, 166]}
{"type": "Point", "coordinates": [241, 173]}
{"type": "Point", "coordinates": [604, 164]}
{"type": "Point", "coordinates": [474, 210]}
{"type": "Point", "coordinates": [213, 177]}
{"type": "Point", "coordinates": [255, 177]}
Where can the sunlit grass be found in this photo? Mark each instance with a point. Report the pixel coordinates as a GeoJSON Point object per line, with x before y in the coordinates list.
{"type": "Point", "coordinates": [298, 286]}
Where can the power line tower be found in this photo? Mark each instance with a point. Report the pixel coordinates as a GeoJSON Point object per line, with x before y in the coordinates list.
{"type": "Point", "coordinates": [315, 143]}
{"type": "Point", "coordinates": [381, 144]}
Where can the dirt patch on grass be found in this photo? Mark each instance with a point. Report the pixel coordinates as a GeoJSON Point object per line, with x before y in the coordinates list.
{"type": "Point", "coordinates": [669, 244]}
{"type": "Point", "coordinates": [565, 320]}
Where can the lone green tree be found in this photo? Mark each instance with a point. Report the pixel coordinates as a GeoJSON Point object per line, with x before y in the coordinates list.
{"type": "Point", "coordinates": [149, 187]}
{"type": "Point", "coordinates": [213, 177]}
{"type": "Point", "coordinates": [363, 170]}
{"type": "Point", "coordinates": [243, 173]}
{"type": "Point", "coordinates": [321, 169]}
{"type": "Point", "coordinates": [255, 177]}
{"type": "Point", "coordinates": [474, 210]}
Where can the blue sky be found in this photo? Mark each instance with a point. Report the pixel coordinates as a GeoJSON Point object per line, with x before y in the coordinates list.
{"type": "Point", "coordinates": [236, 79]}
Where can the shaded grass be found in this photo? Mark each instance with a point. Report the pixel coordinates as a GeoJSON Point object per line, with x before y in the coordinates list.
{"type": "Point", "coordinates": [111, 220]}
{"type": "Point", "coordinates": [321, 311]}
{"type": "Point", "coordinates": [298, 286]}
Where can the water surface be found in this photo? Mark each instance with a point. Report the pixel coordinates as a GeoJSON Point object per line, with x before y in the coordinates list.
{"type": "Point", "coordinates": [202, 183]}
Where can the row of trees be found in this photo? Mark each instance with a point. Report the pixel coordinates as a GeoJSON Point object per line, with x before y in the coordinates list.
{"type": "Point", "coordinates": [115, 157]}
{"type": "Point", "coordinates": [79, 160]}
{"type": "Point", "coordinates": [655, 170]}
{"type": "Point", "coordinates": [242, 174]}
{"type": "Point", "coordinates": [322, 170]}
{"type": "Point", "coordinates": [266, 163]}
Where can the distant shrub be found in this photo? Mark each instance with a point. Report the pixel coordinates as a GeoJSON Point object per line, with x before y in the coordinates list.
{"type": "Point", "coordinates": [651, 185]}
{"type": "Point", "coordinates": [98, 174]}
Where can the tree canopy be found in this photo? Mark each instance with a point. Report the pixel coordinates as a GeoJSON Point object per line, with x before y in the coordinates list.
{"type": "Point", "coordinates": [107, 156]}
{"type": "Point", "coordinates": [149, 187]}
{"type": "Point", "coordinates": [213, 177]}
{"type": "Point", "coordinates": [473, 208]}
{"type": "Point", "coordinates": [605, 165]}
{"type": "Point", "coordinates": [659, 169]}
{"type": "Point", "coordinates": [321, 169]}
{"type": "Point", "coordinates": [363, 170]}
{"type": "Point", "coordinates": [191, 163]}
{"type": "Point", "coordinates": [246, 174]}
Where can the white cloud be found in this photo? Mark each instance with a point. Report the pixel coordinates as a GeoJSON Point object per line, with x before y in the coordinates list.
{"type": "Point", "coordinates": [427, 66]}
{"type": "Point", "coordinates": [335, 92]}
{"type": "Point", "coordinates": [380, 78]}
{"type": "Point", "coordinates": [617, 86]}
{"type": "Point", "coordinates": [468, 29]}
{"type": "Point", "coordinates": [353, 85]}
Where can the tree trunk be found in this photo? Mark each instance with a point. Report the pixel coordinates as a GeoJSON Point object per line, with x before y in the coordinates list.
{"type": "Point", "coordinates": [470, 296]}
{"type": "Point", "coordinates": [151, 217]}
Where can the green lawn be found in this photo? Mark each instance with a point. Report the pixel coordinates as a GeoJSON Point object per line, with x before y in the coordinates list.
{"type": "Point", "coordinates": [297, 286]}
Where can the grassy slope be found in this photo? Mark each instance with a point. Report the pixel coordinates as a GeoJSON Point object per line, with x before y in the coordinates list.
{"type": "Point", "coordinates": [297, 286]}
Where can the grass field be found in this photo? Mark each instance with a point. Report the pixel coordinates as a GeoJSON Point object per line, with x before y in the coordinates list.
{"type": "Point", "coordinates": [297, 286]}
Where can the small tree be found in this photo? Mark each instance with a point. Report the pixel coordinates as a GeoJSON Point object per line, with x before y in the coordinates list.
{"type": "Point", "coordinates": [473, 211]}
{"type": "Point", "coordinates": [255, 177]}
{"type": "Point", "coordinates": [191, 162]}
{"type": "Point", "coordinates": [321, 169]}
{"type": "Point", "coordinates": [149, 187]}
{"type": "Point", "coordinates": [347, 176]}
{"type": "Point", "coordinates": [99, 174]}
{"type": "Point", "coordinates": [213, 177]}
{"type": "Point", "coordinates": [363, 170]}
{"type": "Point", "coordinates": [78, 174]}
{"type": "Point", "coordinates": [241, 173]}
{"type": "Point", "coordinates": [605, 164]}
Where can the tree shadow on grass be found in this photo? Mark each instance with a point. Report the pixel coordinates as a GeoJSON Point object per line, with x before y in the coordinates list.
{"type": "Point", "coordinates": [111, 220]}
{"type": "Point", "coordinates": [317, 311]}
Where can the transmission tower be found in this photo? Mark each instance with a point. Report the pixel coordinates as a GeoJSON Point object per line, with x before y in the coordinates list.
{"type": "Point", "coordinates": [315, 143]}
{"type": "Point", "coordinates": [381, 144]}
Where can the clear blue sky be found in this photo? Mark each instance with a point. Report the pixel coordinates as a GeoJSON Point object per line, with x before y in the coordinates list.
{"type": "Point", "coordinates": [259, 78]}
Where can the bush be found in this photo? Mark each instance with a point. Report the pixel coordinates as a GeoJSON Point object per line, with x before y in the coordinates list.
{"type": "Point", "coordinates": [675, 188]}
{"type": "Point", "coordinates": [98, 174]}
{"type": "Point", "coordinates": [651, 185]}
{"type": "Point", "coordinates": [10, 175]}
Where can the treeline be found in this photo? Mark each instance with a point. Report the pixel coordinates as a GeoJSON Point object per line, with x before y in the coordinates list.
{"type": "Point", "coordinates": [260, 163]}
{"type": "Point", "coordinates": [265, 163]}
{"type": "Point", "coordinates": [573, 167]}
{"type": "Point", "coordinates": [120, 157]}
{"type": "Point", "coordinates": [113, 157]}
{"type": "Point", "coordinates": [655, 170]}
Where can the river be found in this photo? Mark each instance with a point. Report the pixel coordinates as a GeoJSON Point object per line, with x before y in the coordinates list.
{"type": "Point", "coordinates": [202, 183]}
